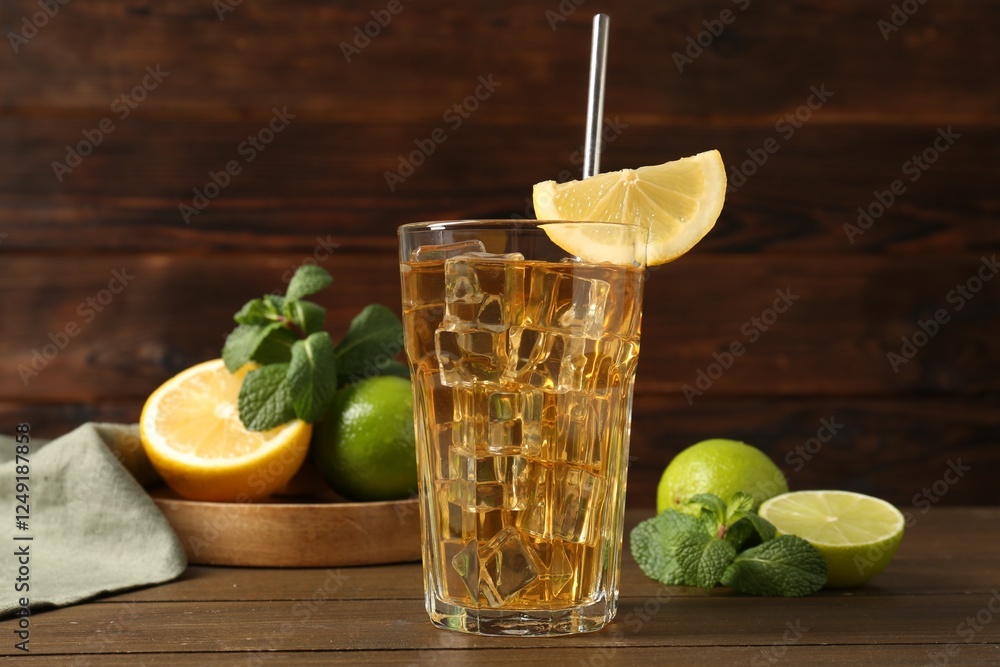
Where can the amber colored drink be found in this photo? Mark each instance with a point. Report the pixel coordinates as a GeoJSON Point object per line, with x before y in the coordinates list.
{"type": "Point", "coordinates": [522, 372]}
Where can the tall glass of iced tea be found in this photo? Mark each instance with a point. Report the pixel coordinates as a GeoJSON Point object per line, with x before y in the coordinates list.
{"type": "Point", "coordinates": [523, 360]}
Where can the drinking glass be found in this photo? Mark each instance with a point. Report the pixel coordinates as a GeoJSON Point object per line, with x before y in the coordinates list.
{"type": "Point", "coordinates": [523, 359]}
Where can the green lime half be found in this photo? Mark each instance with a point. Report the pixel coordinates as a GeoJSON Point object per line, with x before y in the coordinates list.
{"type": "Point", "coordinates": [858, 535]}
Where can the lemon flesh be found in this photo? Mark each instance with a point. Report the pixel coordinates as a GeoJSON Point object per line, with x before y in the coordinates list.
{"type": "Point", "coordinates": [858, 535]}
{"type": "Point", "coordinates": [677, 202]}
{"type": "Point", "coordinates": [191, 431]}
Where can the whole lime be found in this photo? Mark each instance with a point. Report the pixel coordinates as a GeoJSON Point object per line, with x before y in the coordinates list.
{"type": "Point", "coordinates": [365, 446]}
{"type": "Point", "coordinates": [722, 467]}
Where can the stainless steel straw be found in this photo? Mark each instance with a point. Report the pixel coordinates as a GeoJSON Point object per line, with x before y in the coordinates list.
{"type": "Point", "coordinates": [595, 96]}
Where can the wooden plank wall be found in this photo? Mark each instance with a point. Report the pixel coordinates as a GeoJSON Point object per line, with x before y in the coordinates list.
{"type": "Point", "coordinates": [885, 86]}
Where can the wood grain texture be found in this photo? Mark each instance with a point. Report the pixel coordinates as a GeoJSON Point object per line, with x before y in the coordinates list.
{"type": "Point", "coordinates": [894, 448]}
{"type": "Point", "coordinates": [306, 533]}
{"type": "Point", "coordinates": [376, 615]}
{"type": "Point", "coordinates": [834, 337]}
{"type": "Point", "coordinates": [431, 54]}
{"type": "Point", "coordinates": [889, 655]}
{"type": "Point", "coordinates": [924, 565]}
{"type": "Point", "coordinates": [318, 192]}
{"type": "Point", "coordinates": [323, 180]}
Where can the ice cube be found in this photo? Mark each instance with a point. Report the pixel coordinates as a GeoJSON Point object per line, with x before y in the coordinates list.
{"type": "Point", "coordinates": [456, 520]}
{"type": "Point", "coordinates": [484, 291]}
{"type": "Point", "coordinates": [564, 502]}
{"type": "Point", "coordinates": [470, 357]}
{"type": "Point", "coordinates": [582, 421]}
{"type": "Point", "coordinates": [508, 567]}
{"type": "Point", "coordinates": [578, 504]}
{"type": "Point", "coordinates": [557, 567]}
{"type": "Point", "coordinates": [577, 353]}
{"type": "Point", "coordinates": [489, 523]}
{"type": "Point", "coordinates": [501, 482]}
{"type": "Point", "coordinates": [439, 253]}
{"type": "Point", "coordinates": [527, 350]}
{"type": "Point", "coordinates": [561, 301]}
{"type": "Point", "coordinates": [463, 565]}
{"type": "Point", "coordinates": [514, 417]}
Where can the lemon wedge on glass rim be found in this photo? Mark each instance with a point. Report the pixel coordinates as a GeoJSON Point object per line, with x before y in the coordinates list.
{"type": "Point", "coordinates": [678, 202]}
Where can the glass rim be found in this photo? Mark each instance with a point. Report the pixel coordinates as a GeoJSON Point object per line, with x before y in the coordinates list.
{"type": "Point", "coordinates": [501, 223]}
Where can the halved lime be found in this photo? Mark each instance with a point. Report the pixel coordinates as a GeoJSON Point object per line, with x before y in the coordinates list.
{"type": "Point", "coordinates": [857, 534]}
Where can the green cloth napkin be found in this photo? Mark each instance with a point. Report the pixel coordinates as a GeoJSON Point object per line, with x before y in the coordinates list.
{"type": "Point", "coordinates": [94, 529]}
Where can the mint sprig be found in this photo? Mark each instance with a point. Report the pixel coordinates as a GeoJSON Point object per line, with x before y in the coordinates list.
{"type": "Point", "coordinates": [728, 543]}
{"type": "Point", "coordinates": [300, 368]}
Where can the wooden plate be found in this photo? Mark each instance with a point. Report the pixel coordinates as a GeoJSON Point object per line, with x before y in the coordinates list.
{"type": "Point", "coordinates": [294, 531]}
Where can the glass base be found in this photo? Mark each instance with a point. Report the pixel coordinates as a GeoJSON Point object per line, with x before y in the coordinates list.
{"type": "Point", "coordinates": [521, 622]}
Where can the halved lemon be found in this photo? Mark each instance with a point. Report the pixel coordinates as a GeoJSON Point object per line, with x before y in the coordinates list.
{"type": "Point", "coordinates": [857, 534]}
{"type": "Point", "coordinates": [678, 202]}
{"type": "Point", "coordinates": [191, 431]}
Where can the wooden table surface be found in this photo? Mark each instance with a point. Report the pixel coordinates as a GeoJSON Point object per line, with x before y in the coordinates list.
{"type": "Point", "coordinates": [935, 605]}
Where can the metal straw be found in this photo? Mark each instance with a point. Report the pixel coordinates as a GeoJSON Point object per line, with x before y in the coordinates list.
{"type": "Point", "coordinates": [595, 96]}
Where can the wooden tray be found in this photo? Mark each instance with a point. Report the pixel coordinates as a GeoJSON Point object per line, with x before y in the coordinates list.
{"type": "Point", "coordinates": [294, 531]}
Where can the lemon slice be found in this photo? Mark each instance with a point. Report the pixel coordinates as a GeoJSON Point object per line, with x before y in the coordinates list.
{"type": "Point", "coordinates": [678, 202]}
{"type": "Point", "coordinates": [858, 535]}
{"type": "Point", "coordinates": [191, 431]}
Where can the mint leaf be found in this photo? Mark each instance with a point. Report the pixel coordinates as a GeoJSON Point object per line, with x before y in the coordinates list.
{"type": "Point", "coordinates": [255, 311]}
{"type": "Point", "coordinates": [703, 558]}
{"type": "Point", "coordinates": [312, 376]}
{"type": "Point", "coordinates": [243, 341]}
{"type": "Point", "coordinates": [307, 315]}
{"type": "Point", "coordinates": [264, 401]}
{"type": "Point", "coordinates": [275, 303]}
{"type": "Point", "coordinates": [276, 348]}
{"type": "Point", "coordinates": [711, 506]}
{"type": "Point", "coordinates": [373, 340]}
{"type": "Point", "coordinates": [742, 525]}
{"type": "Point", "coordinates": [764, 528]}
{"type": "Point", "coordinates": [787, 566]}
{"type": "Point", "coordinates": [308, 279]}
{"type": "Point", "coordinates": [653, 544]}
{"type": "Point", "coordinates": [738, 505]}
